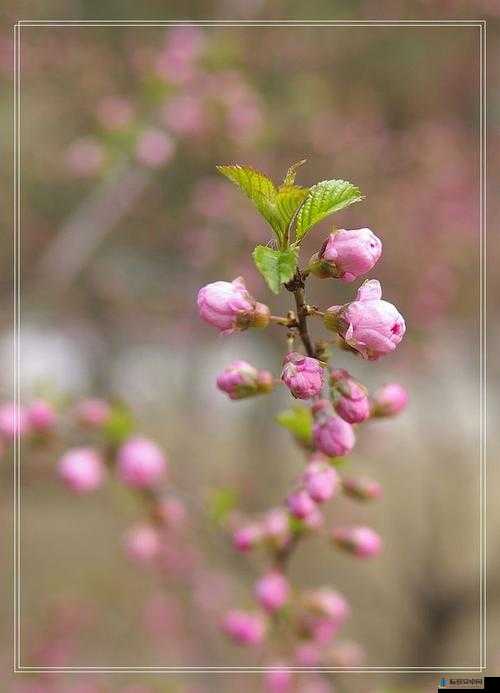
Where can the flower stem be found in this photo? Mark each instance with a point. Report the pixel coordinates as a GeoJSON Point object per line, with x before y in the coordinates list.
{"type": "Point", "coordinates": [296, 287]}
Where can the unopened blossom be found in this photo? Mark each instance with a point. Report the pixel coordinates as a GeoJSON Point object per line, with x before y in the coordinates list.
{"type": "Point", "coordinates": [154, 148]}
{"type": "Point", "coordinates": [330, 603]}
{"type": "Point", "coordinates": [302, 375]}
{"type": "Point", "coordinates": [278, 679]}
{"type": "Point", "coordinates": [331, 434]}
{"type": "Point", "coordinates": [347, 254]}
{"type": "Point", "coordinates": [41, 416]}
{"type": "Point", "coordinates": [350, 399]}
{"type": "Point", "coordinates": [240, 380]}
{"type": "Point", "coordinates": [361, 488]}
{"type": "Point", "coordinates": [321, 481]}
{"type": "Point", "coordinates": [13, 420]}
{"type": "Point", "coordinates": [230, 308]}
{"type": "Point", "coordinates": [276, 527]}
{"type": "Point", "coordinates": [272, 591]}
{"type": "Point", "coordinates": [363, 542]}
{"type": "Point", "coordinates": [81, 470]}
{"type": "Point", "coordinates": [244, 628]}
{"type": "Point", "coordinates": [369, 325]}
{"type": "Point", "coordinates": [142, 543]}
{"type": "Point", "coordinates": [247, 537]}
{"type": "Point", "coordinates": [300, 504]}
{"type": "Point", "coordinates": [141, 463]}
{"type": "Point", "coordinates": [389, 400]}
{"type": "Point", "coordinates": [313, 520]}
{"type": "Point", "coordinates": [93, 412]}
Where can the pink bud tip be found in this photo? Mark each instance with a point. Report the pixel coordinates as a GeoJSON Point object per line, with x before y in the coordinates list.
{"type": "Point", "coordinates": [81, 470]}
{"type": "Point", "coordinates": [240, 380]}
{"type": "Point", "coordinates": [361, 488]}
{"type": "Point", "coordinates": [348, 254]}
{"type": "Point", "coordinates": [331, 434]}
{"type": "Point", "coordinates": [244, 628]}
{"type": "Point", "coordinates": [369, 325]}
{"type": "Point", "coordinates": [247, 537]}
{"type": "Point", "coordinates": [229, 307]}
{"type": "Point", "coordinates": [171, 511]}
{"type": "Point", "coordinates": [279, 679]}
{"type": "Point", "coordinates": [42, 416]}
{"type": "Point", "coordinates": [141, 463]}
{"type": "Point", "coordinates": [350, 399]}
{"type": "Point", "coordinates": [360, 541]}
{"type": "Point", "coordinates": [13, 421]}
{"type": "Point", "coordinates": [321, 481]}
{"type": "Point", "coordinates": [302, 375]}
{"type": "Point", "coordinates": [300, 504]}
{"type": "Point", "coordinates": [272, 591]}
{"type": "Point", "coordinates": [389, 400]}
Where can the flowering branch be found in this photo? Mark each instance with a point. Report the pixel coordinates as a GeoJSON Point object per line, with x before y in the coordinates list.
{"type": "Point", "coordinates": [367, 326]}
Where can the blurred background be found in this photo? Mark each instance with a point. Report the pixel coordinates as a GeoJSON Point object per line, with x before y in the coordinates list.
{"type": "Point", "coordinates": [124, 217]}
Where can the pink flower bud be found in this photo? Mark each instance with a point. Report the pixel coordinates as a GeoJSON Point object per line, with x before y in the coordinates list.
{"type": "Point", "coordinates": [347, 254]}
{"type": "Point", "coordinates": [314, 520]}
{"type": "Point", "coordinates": [389, 400]}
{"type": "Point", "coordinates": [272, 591]}
{"type": "Point", "coordinates": [12, 421]}
{"type": "Point", "coordinates": [154, 148]}
{"type": "Point", "coordinates": [247, 537]}
{"type": "Point", "coordinates": [369, 325]}
{"type": "Point", "coordinates": [300, 504]}
{"type": "Point", "coordinates": [329, 603]}
{"type": "Point", "coordinates": [142, 543]}
{"type": "Point", "coordinates": [276, 527]}
{"type": "Point", "coordinates": [229, 307]}
{"type": "Point", "coordinates": [244, 628]}
{"type": "Point", "coordinates": [240, 380]}
{"type": "Point", "coordinates": [41, 416]}
{"type": "Point", "coordinates": [360, 541]}
{"type": "Point", "coordinates": [81, 470]}
{"type": "Point", "coordinates": [302, 375]}
{"type": "Point", "coordinates": [332, 435]}
{"type": "Point", "coordinates": [278, 679]}
{"type": "Point", "coordinates": [321, 481]}
{"type": "Point", "coordinates": [140, 463]}
{"type": "Point", "coordinates": [361, 488]}
{"type": "Point", "coordinates": [350, 399]}
{"type": "Point", "coordinates": [93, 412]}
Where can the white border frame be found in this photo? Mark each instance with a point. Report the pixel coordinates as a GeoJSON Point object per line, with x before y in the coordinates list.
{"type": "Point", "coordinates": [481, 24]}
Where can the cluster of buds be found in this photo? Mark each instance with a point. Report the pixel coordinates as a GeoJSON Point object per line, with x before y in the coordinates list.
{"type": "Point", "coordinates": [367, 326]}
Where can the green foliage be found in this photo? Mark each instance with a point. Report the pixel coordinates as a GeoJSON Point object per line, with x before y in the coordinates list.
{"type": "Point", "coordinates": [277, 206]}
{"type": "Point", "coordinates": [299, 421]}
{"type": "Point", "coordinates": [119, 426]}
{"type": "Point", "coordinates": [323, 199]}
{"type": "Point", "coordinates": [276, 266]}
{"type": "Point", "coordinates": [220, 503]}
{"type": "Point", "coordinates": [292, 172]}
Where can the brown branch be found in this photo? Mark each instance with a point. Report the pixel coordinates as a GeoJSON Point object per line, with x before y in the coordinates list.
{"type": "Point", "coordinates": [296, 287]}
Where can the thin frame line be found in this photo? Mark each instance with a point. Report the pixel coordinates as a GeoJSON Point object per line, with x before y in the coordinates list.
{"type": "Point", "coordinates": [481, 24]}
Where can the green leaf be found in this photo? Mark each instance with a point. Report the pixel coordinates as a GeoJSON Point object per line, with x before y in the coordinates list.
{"type": "Point", "coordinates": [324, 198]}
{"type": "Point", "coordinates": [276, 266]}
{"type": "Point", "coordinates": [299, 422]}
{"type": "Point", "coordinates": [292, 172]}
{"type": "Point", "coordinates": [277, 206]}
{"type": "Point", "coordinates": [221, 502]}
{"type": "Point", "coordinates": [119, 426]}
